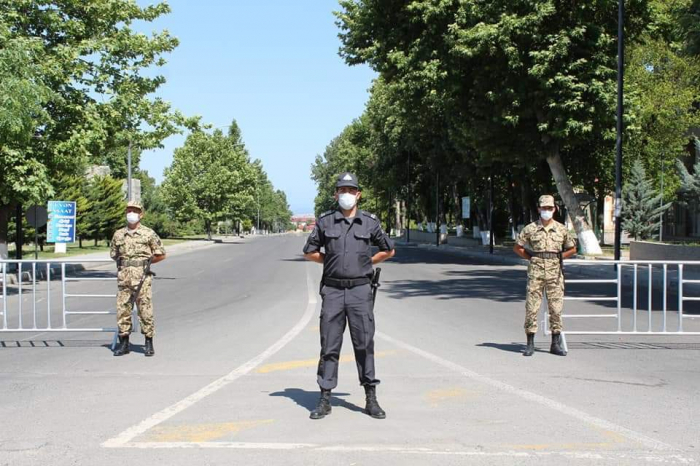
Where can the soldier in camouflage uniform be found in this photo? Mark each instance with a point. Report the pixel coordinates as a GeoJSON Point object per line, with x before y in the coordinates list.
{"type": "Point", "coordinates": [134, 248]}
{"type": "Point", "coordinates": [545, 244]}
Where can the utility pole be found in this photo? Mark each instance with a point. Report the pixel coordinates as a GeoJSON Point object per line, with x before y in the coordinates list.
{"type": "Point", "coordinates": [437, 208]}
{"type": "Point", "coordinates": [408, 201]}
{"type": "Point", "coordinates": [661, 202]}
{"type": "Point", "coordinates": [491, 239]}
{"type": "Point", "coordinates": [128, 173]}
{"type": "Point", "coordinates": [620, 125]}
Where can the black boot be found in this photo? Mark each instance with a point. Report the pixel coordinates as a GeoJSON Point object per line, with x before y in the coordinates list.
{"type": "Point", "coordinates": [123, 346]}
{"type": "Point", "coordinates": [323, 407]}
{"type": "Point", "coordinates": [148, 349]}
{"type": "Point", "coordinates": [556, 345]}
{"type": "Point", "coordinates": [372, 407]}
{"type": "Point", "coordinates": [530, 349]}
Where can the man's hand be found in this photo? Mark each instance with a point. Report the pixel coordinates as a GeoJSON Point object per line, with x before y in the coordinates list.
{"type": "Point", "coordinates": [157, 258]}
{"type": "Point", "coordinates": [381, 256]}
{"type": "Point", "coordinates": [519, 250]}
{"type": "Point", "coordinates": [568, 253]}
{"type": "Point", "coordinates": [317, 257]}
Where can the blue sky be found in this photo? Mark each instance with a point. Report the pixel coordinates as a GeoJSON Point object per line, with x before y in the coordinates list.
{"type": "Point", "coordinates": [273, 65]}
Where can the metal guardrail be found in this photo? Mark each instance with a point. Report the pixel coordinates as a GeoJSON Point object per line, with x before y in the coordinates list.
{"type": "Point", "coordinates": [37, 266]}
{"type": "Point", "coordinates": [621, 279]}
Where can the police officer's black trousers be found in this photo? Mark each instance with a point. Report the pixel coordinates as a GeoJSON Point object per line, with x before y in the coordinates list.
{"type": "Point", "coordinates": [353, 305]}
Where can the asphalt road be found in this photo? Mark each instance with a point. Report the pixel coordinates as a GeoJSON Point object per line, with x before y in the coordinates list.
{"type": "Point", "coordinates": [233, 379]}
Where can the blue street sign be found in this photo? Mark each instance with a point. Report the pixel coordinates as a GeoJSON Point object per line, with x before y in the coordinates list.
{"type": "Point", "coordinates": [61, 227]}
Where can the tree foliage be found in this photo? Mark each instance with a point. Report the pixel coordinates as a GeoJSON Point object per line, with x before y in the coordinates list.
{"type": "Point", "coordinates": [74, 86]}
{"type": "Point", "coordinates": [642, 206]}
{"type": "Point", "coordinates": [210, 179]}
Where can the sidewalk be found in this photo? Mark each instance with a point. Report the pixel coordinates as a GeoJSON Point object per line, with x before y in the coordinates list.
{"type": "Point", "coordinates": [504, 255]}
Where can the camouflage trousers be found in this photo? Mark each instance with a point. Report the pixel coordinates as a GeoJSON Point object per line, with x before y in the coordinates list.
{"type": "Point", "coordinates": [537, 286]}
{"type": "Point", "coordinates": [144, 304]}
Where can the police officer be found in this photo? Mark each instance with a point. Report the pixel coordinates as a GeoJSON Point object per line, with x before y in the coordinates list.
{"type": "Point", "coordinates": [347, 236]}
{"type": "Point", "coordinates": [545, 243]}
{"type": "Point", "coordinates": [134, 248]}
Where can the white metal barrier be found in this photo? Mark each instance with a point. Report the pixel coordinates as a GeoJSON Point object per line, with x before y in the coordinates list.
{"type": "Point", "coordinates": [627, 273]}
{"type": "Point", "coordinates": [40, 266]}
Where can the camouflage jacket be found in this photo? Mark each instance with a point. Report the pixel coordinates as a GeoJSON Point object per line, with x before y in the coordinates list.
{"type": "Point", "coordinates": [554, 237]}
{"type": "Point", "coordinates": [139, 245]}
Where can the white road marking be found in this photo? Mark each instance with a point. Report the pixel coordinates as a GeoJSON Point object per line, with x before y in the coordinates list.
{"type": "Point", "coordinates": [123, 439]}
{"type": "Point", "coordinates": [657, 458]}
{"type": "Point", "coordinates": [530, 396]}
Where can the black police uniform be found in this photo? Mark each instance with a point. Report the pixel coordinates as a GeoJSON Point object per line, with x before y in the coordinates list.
{"type": "Point", "coordinates": [346, 290]}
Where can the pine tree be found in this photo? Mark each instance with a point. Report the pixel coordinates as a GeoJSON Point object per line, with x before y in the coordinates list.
{"type": "Point", "coordinates": [108, 210]}
{"type": "Point", "coordinates": [641, 209]}
{"type": "Point", "coordinates": [689, 190]}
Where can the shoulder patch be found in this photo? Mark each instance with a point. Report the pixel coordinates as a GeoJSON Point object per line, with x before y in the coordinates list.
{"type": "Point", "coordinates": [367, 214]}
{"type": "Point", "coordinates": [325, 214]}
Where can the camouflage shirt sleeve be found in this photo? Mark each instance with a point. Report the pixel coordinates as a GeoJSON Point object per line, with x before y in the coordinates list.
{"type": "Point", "coordinates": [156, 244]}
{"type": "Point", "coordinates": [113, 248]}
{"type": "Point", "coordinates": [524, 237]}
{"type": "Point", "coordinates": [568, 240]}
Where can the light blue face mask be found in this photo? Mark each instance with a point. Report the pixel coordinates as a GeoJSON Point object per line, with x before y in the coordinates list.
{"type": "Point", "coordinates": [132, 218]}
{"type": "Point", "coordinates": [546, 214]}
{"type": "Point", "coordinates": [347, 201]}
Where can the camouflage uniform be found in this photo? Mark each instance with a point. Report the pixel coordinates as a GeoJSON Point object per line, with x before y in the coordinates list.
{"type": "Point", "coordinates": [131, 251]}
{"type": "Point", "coordinates": [544, 274]}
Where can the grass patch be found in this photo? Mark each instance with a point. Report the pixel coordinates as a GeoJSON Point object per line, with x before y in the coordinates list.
{"type": "Point", "coordinates": [73, 249]}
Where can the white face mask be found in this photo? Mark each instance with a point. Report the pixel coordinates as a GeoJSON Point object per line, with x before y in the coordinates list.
{"type": "Point", "coordinates": [546, 214]}
{"type": "Point", "coordinates": [132, 217]}
{"type": "Point", "coordinates": [347, 201]}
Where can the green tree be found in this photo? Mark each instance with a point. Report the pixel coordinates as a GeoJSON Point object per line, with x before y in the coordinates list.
{"type": "Point", "coordinates": [641, 208]}
{"type": "Point", "coordinates": [210, 179]}
{"type": "Point", "coordinates": [108, 207]}
{"type": "Point", "coordinates": [75, 88]}
{"type": "Point", "coordinates": [689, 189]}
{"type": "Point", "coordinates": [522, 82]}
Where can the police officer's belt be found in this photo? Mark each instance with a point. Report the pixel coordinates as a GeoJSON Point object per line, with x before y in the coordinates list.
{"type": "Point", "coordinates": [132, 263]}
{"type": "Point", "coordinates": [345, 282]}
{"type": "Point", "coordinates": [545, 255]}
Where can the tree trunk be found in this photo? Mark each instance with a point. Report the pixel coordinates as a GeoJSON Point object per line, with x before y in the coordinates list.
{"type": "Point", "coordinates": [5, 211]}
{"type": "Point", "coordinates": [397, 214]}
{"type": "Point", "coordinates": [207, 225]}
{"type": "Point", "coordinates": [586, 236]}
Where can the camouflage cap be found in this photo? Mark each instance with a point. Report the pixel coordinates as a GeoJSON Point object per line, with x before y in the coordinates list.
{"type": "Point", "coordinates": [546, 201]}
{"type": "Point", "coordinates": [347, 179]}
{"type": "Point", "coordinates": [135, 205]}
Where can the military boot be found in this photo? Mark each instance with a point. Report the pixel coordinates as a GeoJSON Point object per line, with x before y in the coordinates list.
{"type": "Point", "coordinates": [123, 346]}
{"type": "Point", "coordinates": [530, 348]}
{"type": "Point", "coordinates": [148, 349]}
{"type": "Point", "coordinates": [323, 407]}
{"type": "Point", "coordinates": [372, 407]}
{"type": "Point", "coordinates": [556, 345]}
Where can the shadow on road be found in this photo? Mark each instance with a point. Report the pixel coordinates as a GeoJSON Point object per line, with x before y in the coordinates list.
{"type": "Point", "coordinates": [9, 344]}
{"type": "Point", "coordinates": [308, 400]}
{"type": "Point", "coordinates": [499, 285]}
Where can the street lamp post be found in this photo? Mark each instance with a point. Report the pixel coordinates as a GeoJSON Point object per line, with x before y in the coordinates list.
{"type": "Point", "coordinates": [620, 125]}
{"type": "Point", "coordinates": [128, 173]}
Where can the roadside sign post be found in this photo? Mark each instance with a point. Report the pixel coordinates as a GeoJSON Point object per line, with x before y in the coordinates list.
{"type": "Point", "coordinates": [61, 229]}
{"type": "Point", "coordinates": [37, 216]}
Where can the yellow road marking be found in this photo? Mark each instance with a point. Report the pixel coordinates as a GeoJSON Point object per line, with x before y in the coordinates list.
{"type": "Point", "coordinates": [289, 365]}
{"type": "Point", "coordinates": [560, 446]}
{"type": "Point", "coordinates": [201, 432]}
{"type": "Point", "coordinates": [444, 394]}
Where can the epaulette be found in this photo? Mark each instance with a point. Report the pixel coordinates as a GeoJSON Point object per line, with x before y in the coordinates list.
{"type": "Point", "coordinates": [367, 214]}
{"type": "Point", "coordinates": [325, 214]}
